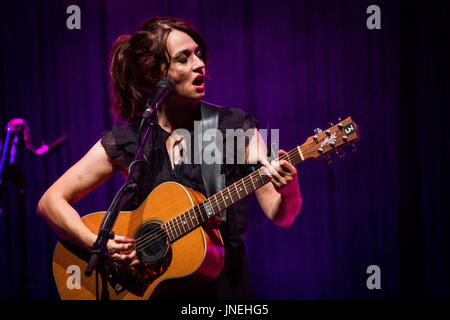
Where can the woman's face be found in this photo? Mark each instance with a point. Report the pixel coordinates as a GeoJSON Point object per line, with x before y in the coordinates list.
{"type": "Point", "coordinates": [186, 67]}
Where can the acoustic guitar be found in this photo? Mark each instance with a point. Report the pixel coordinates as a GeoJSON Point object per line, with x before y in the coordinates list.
{"type": "Point", "coordinates": [177, 241]}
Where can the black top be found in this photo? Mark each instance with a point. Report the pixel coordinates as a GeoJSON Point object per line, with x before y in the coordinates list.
{"type": "Point", "coordinates": [120, 146]}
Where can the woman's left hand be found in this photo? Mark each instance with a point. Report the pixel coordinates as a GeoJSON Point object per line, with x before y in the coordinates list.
{"type": "Point", "coordinates": [282, 174]}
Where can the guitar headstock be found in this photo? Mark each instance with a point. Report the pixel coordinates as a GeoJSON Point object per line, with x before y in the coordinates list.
{"type": "Point", "coordinates": [332, 139]}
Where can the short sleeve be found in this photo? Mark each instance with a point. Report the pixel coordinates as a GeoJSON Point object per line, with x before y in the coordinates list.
{"type": "Point", "coordinates": [120, 144]}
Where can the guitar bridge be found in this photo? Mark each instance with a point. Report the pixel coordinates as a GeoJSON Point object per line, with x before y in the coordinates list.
{"type": "Point", "coordinates": [137, 279]}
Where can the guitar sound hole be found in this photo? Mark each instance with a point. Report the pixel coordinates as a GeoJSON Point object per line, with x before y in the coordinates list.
{"type": "Point", "coordinates": [151, 242]}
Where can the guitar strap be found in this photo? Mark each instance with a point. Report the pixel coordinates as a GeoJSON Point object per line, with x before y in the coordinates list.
{"type": "Point", "coordinates": [212, 174]}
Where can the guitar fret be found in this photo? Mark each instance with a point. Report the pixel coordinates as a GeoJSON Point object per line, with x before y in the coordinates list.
{"type": "Point", "coordinates": [289, 159]}
{"type": "Point", "coordinates": [251, 179]}
{"type": "Point", "coordinates": [217, 202]}
{"type": "Point", "coordinates": [223, 198]}
{"type": "Point", "coordinates": [237, 191]}
{"type": "Point", "coordinates": [204, 211]}
{"type": "Point", "coordinates": [196, 217]}
{"type": "Point", "coordinates": [231, 197]}
{"type": "Point", "coordinates": [174, 231]}
{"type": "Point", "coordinates": [200, 211]}
{"type": "Point", "coordinates": [183, 222]}
{"type": "Point", "coordinates": [293, 156]}
{"type": "Point", "coordinates": [208, 208]}
{"type": "Point", "coordinates": [171, 228]}
{"type": "Point", "coordinates": [167, 229]}
{"type": "Point", "coordinates": [187, 219]}
{"type": "Point", "coordinates": [221, 202]}
{"type": "Point", "coordinates": [246, 192]}
{"type": "Point", "coordinates": [190, 218]}
{"type": "Point", "coordinates": [219, 205]}
{"type": "Point", "coordinates": [178, 226]}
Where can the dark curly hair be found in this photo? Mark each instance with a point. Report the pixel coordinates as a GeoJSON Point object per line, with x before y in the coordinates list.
{"type": "Point", "coordinates": [139, 61]}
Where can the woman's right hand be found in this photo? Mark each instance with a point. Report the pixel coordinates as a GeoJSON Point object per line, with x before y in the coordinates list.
{"type": "Point", "coordinates": [121, 251]}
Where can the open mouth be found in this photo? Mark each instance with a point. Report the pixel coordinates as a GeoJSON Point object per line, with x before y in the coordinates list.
{"type": "Point", "coordinates": [199, 80]}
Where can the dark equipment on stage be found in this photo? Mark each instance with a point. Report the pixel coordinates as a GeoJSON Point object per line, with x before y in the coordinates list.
{"type": "Point", "coordinates": [17, 133]}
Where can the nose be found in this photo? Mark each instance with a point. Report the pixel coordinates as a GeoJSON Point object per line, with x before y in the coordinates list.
{"type": "Point", "coordinates": [199, 65]}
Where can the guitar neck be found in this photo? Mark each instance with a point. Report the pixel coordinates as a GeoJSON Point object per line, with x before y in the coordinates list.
{"type": "Point", "coordinates": [218, 202]}
{"type": "Point", "coordinates": [323, 142]}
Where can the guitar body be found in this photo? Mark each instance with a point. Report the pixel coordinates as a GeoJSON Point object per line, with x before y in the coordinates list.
{"type": "Point", "coordinates": [197, 257]}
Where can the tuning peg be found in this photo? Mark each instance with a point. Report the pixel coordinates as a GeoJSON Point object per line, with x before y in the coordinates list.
{"type": "Point", "coordinates": [353, 147]}
{"type": "Point", "coordinates": [327, 158]}
{"type": "Point", "coordinates": [316, 132]}
{"type": "Point", "coordinates": [340, 153]}
{"type": "Point", "coordinates": [340, 125]}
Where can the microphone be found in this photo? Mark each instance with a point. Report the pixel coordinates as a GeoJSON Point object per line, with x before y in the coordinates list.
{"type": "Point", "coordinates": [163, 89]}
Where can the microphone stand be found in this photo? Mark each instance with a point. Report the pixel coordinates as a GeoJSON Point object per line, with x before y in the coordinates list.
{"type": "Point", "coordinates": [10, 172]}
{"type": "Point", "coordinates": [18, 131]}
{"type": "Point", "coordinates": [128, 189]}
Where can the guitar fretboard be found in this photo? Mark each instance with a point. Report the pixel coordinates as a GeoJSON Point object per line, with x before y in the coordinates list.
{"type": "Point", "coordinates": [194, 217]}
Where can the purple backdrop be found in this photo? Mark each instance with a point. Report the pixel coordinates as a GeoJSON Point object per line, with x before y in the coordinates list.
{"type": "Point", "coordinates": [293, 64]}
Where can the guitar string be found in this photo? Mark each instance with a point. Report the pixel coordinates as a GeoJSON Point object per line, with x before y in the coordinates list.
{"type": "Point", "coordinates": [160, 233]}
{"type": "Point", "coordinates": [175, 224]}
{"type": "Point", "coordinates": [247, 181]}
{"type": "Point", "coordinates": [197, 209]}
{"type": "Point", "coordinates": [148, 239]}
{"type": "Point", "coordinates": [220, 203]}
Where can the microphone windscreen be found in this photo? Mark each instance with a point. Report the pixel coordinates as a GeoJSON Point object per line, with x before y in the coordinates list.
{"type": "Point", "coordinates": [166, 83]}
